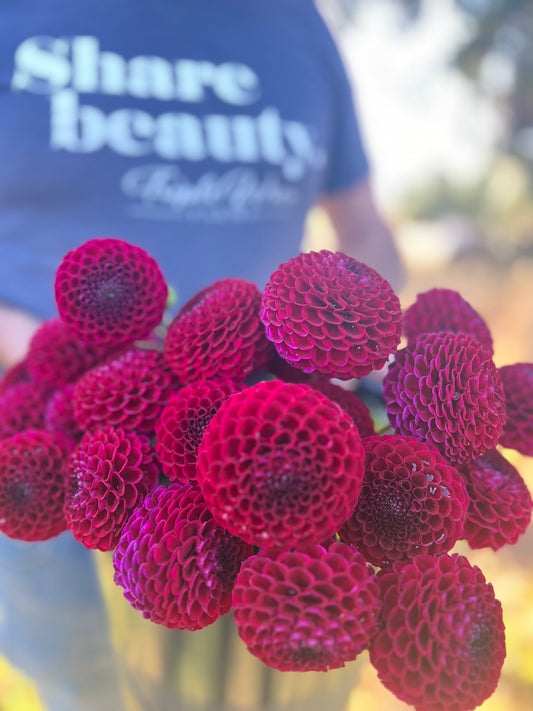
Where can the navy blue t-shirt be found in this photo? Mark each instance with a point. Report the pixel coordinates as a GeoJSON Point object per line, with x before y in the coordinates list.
{"type": "Point", "coordinates": [201, 130]}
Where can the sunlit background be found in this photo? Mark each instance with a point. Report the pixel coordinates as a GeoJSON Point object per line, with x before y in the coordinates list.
{"type": "Point", "coordinates": [445, 95]}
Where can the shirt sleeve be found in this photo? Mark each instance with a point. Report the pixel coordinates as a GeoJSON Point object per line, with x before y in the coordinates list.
{"type": "Point", "coordinates": [347, 161]}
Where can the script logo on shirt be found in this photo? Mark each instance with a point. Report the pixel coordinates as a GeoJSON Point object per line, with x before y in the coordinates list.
{"type": "Point", "coordinates": [256, 160]}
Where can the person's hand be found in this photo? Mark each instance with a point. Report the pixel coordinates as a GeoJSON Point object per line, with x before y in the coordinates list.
{"type": "Point", "coordinates": [16, 330]}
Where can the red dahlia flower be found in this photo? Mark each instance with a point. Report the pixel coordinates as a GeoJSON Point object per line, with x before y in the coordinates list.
{"type": "Point", "coordinates": [327, 313]}
{"type": "Point", "coordinates": [350, 403]}
{"type": "Point", "coordinates": [111, 292]}
{"type": "Point", "coordinates": [175, 563]}
{"type": "Point", "coordinates": [218, 334]}
{"type": "Point", "coordinates": [108, 475]}
{"type": "Point", "coordinates": [18, 373]}
{"type": "Point", "coordinates": [445, 389]}
{"type": "Point", "coordinates": [445, 310]}
{"type": "Point", "coordinates": [280, 464]}
{"type": "Point", "coordinates": [128, 392]}
{"type": "Point", "coordinates": [517, 381]}
{"type": "Point", "coordinates": [58, 356]}
{"type": "Point", "coordinates": [282, 370]}
{"type": "Point", "coordinates": [181, 426]}
{"type": "Point", "coordinates": [500, 502]}
{"type": "Point", "coordinates": [442, 642]}
{"type": "Point", "coordinates": [32, 485]}
{"type": "Point", "coordinates": [308, 609]}
{"type": "Point", "coordinates": [59, 413]}
{"type": "Point", "coordinates": [22, 407]}
{"type": "Point", "coordinates": [412, 501]}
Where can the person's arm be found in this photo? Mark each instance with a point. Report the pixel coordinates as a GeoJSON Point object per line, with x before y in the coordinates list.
{"type": "Point", "coordinates": [16, 329]}
{"type": "Point", "coordinates": [362, 232]}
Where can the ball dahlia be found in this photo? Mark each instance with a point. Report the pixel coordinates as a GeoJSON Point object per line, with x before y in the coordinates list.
{"type": "Point", "coordinates": [22, 407]}
{"type": "Point", "coordinates": [444, 310]}
{"type": "Point", "coordinates": [175, 563]}
{"type": "Point", "coordinates": [314, 608]}
{"type": "Point", "coordinates": [280, 464]}
{"type": "Point", "coordinates": [327, 313]}
{"type": "Point", "coordinates": [129, 392]}
{"type": "Point", "coordinates": [59, 413]}
{"type": "Point", "coordinates": [441, 645]}
{"type": "Point", "coordinates": [412, 501]}
{"type": "Point", "coordinates": [182, 423]}
{"type": "Point", "coordinates": [500, 502]}
{"type": "Point", "coordinates": [445, 389]}
{"type": "Point", "coordinates": [218, 333]}
{"type": "Point", "coordinates": [58, 356]}
{"type": "Point", "coordinates": [517, 381]}
{"type": "Point", "coordinates": [110, 292]}
{"type": "Point", "coordinates": [14, 375]}
{"type": "Point", "coordinates": [350, 403]}
{"type": "Point", "coordinates": [32, 485]}
{"type": "Point", "coordinates": [108, 475]}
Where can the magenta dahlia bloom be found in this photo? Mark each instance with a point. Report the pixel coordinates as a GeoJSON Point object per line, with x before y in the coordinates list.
{"type": "Point", "coordinates": [218, 333]}
{"type": "Point", "coordinates": [280, 464]}
{"type": "Point", "coordinates": [517, 381]}
{"type": "Point", "coordinates": [313, 608]}
{"type": "Point", "coordinates": [22, 407]}
{"type": "Point", "coordinates": [59, 413]}
{"type": "Point", "coordinates": [282, 370]}
{"type": "Point", "coordinates": [181, 425]}
{"type": "Point", "coordinates": [442, 642]}
{"type": "Point", "coordinates": [18, 373]}
{"type": "Point", "coordinates": [445, 389]}
{"type": "Point", "coordinates": [412, 501]}
{"type": "Point", "coordinates": [327, 313]}
{"type": "Point", "coordinates": [128, 392]}
{"type": "Point", "coordinates": [175, 563]}
{"type": "Point", "coordinates": [108, 475]}
{"type": "Point", "coordinates": [500, 502]}
{"type": "Point", "coordinates": [111, 292]}
{"type": "Point", "coordinates": [350, 403]}
{"type": "Point", "coordinates": [58, 356]}
{"type": "Point", "coordinates": [444, 310]}
{"type": "Point", "coordinates": [32, 485]}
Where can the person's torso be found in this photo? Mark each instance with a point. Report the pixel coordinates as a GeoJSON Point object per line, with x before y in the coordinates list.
{"type": "Point", "coordinates": [198, 130]}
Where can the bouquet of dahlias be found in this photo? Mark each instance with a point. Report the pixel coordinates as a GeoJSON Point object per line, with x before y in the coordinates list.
{"type": "Point", "coordinates": [226, 467]}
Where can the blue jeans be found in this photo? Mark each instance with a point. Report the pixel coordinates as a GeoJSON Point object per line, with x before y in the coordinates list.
{"type": "Point", "coordinates": [54, 626]}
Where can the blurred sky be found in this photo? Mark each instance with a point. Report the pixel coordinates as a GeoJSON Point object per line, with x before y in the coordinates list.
{"type": "Point", "coordinates": [420, 116]}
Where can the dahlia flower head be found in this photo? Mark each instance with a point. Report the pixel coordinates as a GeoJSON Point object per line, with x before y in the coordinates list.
{"type": "Point", "coordinates": [58, 356]}
{"type": "Point", "coordinates": [517, 381]}
{"type": "Point", "coordinates": [22, 407]}
{"type": "Point", "coordinates": [441, 645]}
{"type": "Point", "coordinates": [182, 423]}
{"type": "Point", "coordinates": [280, 464]}
{"type": "Point", "coordinates": [108, 475]}
{"type": "Point", "coordinates": [175, 563]}
{"type": "Point", "coordinates": [444, 310]}
{"type": "Point", "coordinates": [110, 292]}
{"type": "Point", "coordinates": [412, 501]}
{"type": "Point", "coordinates": [500, 502]}
{"type": "Point", "coordinates": [218, 333]}
{"type": "Point", "coordinates": [32, 485]}
{"type": "Point", "coordinates": [350, 403]}
{"type": "Point", "coordinates": [59, 413]}
{"type": "Point", "coordinates": [314, 608]}
{"type": "Point", "coordinates": [445, 389]}
{"type": "Point", "coordinates": [329, 314]}
{"type": "Point", "coordinates": [14, 375]}
{"type": "Point", "coordinates": [129, 392]}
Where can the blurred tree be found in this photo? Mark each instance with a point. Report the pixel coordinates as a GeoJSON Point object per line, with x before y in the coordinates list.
{"type": "Point", "coordinates": [497, 57]}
